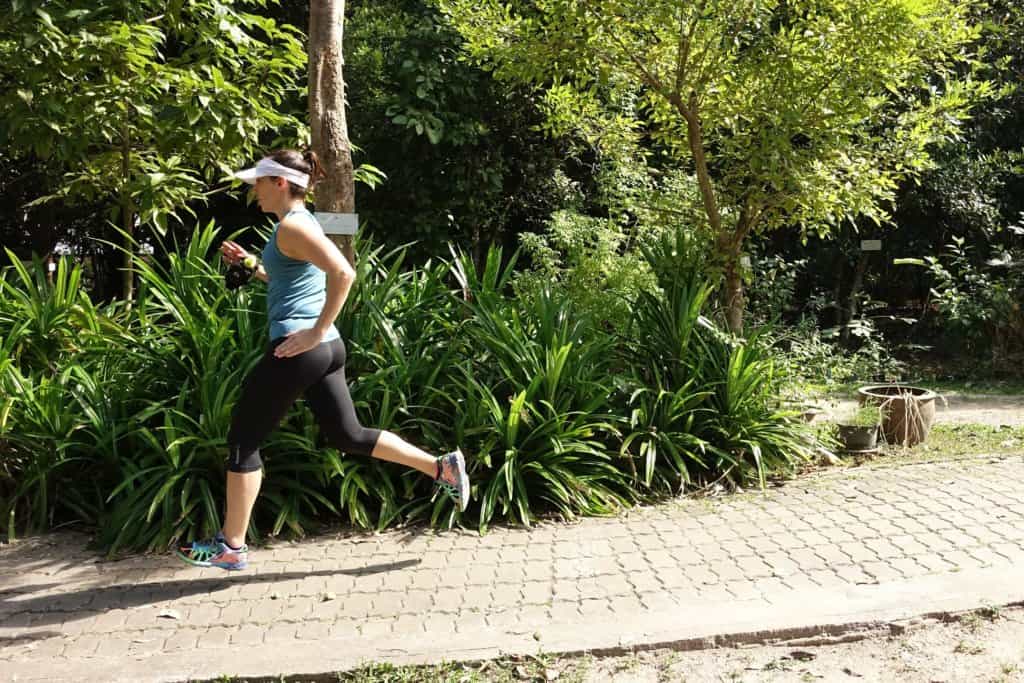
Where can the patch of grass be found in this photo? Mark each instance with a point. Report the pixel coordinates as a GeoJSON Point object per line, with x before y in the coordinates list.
{"type": "Point", "coordinates": [972, 439]}
{"type": "Point", "coordinates": [973, 621]}
{"type": "Point", "coordinates": [508, 670]}
{"type": "Point", "coordinates": [966, 648]}
{"type": "Point", "coordinates": [496, 671]}
{"type": "Point", "coordinates": [946, 442]}
{"type": "Point", "coordinates": [778, 664]}
{"type": "Point", "coordinates": [816, 390]}
{"type": "Point", "coordinates": [990, 612]}
{"type": "Point", "coordinates": [1008, 671]}
{"type": "Point", "coordinates": [812, 391]}
{"type": "Point", "coordinates": [388, 673]}
{"type": "Point", "coordinates": [998, 387]}
{"type": "Point", "coordinates": [627, 663]}
{"type": "Point", "coordinates": [666, 660]}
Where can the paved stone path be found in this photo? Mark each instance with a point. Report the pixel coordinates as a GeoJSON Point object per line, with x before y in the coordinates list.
{"type": "Point", "coordinates": [819, 555]}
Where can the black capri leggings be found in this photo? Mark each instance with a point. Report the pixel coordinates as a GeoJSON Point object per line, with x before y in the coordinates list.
{"type": "Point", "coordinates": [276, 383]}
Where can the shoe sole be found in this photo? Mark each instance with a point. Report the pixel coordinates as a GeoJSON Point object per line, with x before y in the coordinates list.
{"type": "Point", "coordinates": [463, 480]}
{"type": "Point", "coordinates": [227, 567]}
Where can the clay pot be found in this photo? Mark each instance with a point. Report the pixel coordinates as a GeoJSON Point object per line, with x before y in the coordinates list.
{"type": "Point", "coordinates": [858, 438]}
{"type": "Point", "coordinates": [907, 412]}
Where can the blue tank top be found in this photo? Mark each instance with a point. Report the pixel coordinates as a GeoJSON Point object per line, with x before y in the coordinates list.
{"type": "Point", "coordinates": [297, 290]}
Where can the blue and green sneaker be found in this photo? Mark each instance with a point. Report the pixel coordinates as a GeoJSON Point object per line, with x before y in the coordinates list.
{"type": "Point", "coordinates": [452, 477]}
{"type": "Point", "coordinates": [214, 552]}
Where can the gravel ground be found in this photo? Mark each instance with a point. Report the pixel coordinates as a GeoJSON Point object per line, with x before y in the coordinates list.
{"type": "Point", "coordinates": [987, 645]}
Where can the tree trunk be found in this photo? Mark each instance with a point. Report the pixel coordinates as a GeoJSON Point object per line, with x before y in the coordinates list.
{"type": "Point", "coordinates": [851, 301]}
{"type": "Point", "coordinates": [733, 299]}
{"type": "Point", "coordinates": [728, 247]}
{"type": "Point", "coordinates": [127, 218]}
{"type": "Point", "coordinates": [695, 137]}
{"type": "Point", "coordinates": [328, 125]}
{"type": "Point", "coordinates": [837, 291]}
{"type": "Point", "coordinates": [127, 276]}
{"type": "Point", "coordinates": [730, 251]}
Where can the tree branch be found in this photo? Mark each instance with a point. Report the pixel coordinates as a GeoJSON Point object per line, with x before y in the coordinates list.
{"type": "Point", "coordinates": [685, 42]}
{"type": "Point", "coordinates": [648, 77]}
{"type": "Point", "coordinates": [696, 140]}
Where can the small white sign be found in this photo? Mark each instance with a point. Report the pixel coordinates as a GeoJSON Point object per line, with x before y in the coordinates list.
{"type": "Point", "coordinates": [338, 223]}
{"type": "Point", "coordinates": [51, 266]}
{"type": "Point", "coordinates": [871, 245]}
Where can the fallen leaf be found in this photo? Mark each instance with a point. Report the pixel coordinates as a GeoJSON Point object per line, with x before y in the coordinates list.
{"type": "Point", "coordinates": [169, 614]}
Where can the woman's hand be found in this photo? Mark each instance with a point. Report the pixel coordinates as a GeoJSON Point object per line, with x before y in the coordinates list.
{"type": "Point", "coordinates": [232, 252]}
{"type": "Point", "coordinates": [298, 342]}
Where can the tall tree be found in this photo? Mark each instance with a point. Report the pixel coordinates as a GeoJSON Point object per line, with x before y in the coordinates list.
{"type": "Point", "coordinates": [327, 120]}
{"type": "Point", "coordinates": [786, 112]}
{"type": "Point", "coordinates": [146, 103]}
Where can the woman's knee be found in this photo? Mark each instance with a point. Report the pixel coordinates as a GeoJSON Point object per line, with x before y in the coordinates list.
{"type": "Point", "coordinates": [359, 441]}
{"type": "Point", "coordinates": [243, 459]}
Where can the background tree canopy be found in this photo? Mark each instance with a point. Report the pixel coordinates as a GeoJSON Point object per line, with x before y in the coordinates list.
{"type": "Point", "coordinates": [833, 120]}
{"type": "Point", "coordinates": [141, 108]}
{"type": "Point", "coordinates": [787, 113]}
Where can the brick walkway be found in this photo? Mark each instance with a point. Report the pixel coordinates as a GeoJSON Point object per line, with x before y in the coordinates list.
{"type": "Point", "coordinates": [819, 555]}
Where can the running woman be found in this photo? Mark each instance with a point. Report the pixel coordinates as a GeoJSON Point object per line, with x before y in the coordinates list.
{"type": "Point", "coordinates": [308, 281]}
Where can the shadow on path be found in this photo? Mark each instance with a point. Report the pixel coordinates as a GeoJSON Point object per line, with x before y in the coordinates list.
{"type": "Point", "coordinates": [27, 638]}
{"type": "Point", "coordinates": [60, 607]}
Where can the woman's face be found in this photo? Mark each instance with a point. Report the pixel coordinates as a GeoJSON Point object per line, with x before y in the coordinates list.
{"type": "Point", "coordinates": [267, 193]}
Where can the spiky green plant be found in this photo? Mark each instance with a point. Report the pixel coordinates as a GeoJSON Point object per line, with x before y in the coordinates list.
{"type": "Point", "coordinates": [530, 404]}
{"type": "Point", "coordinates": [40, 322]}
{"type": "Point", "coordinates": [703, 407]}
{"type": "Point", "coordinates": [118, 415]}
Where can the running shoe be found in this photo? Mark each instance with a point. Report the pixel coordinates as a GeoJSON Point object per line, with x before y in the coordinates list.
{"type": "Point", "coordinates": [214, 552]}
{"type": "Point", "coordinates": [452, 477]}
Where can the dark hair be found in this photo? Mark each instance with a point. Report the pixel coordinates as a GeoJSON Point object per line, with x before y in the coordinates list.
{"type": "Point", "coordinates": [305, 162]}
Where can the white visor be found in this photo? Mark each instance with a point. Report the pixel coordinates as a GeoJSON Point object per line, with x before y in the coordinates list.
{"type": "Point", "coordinates": [267, 167]}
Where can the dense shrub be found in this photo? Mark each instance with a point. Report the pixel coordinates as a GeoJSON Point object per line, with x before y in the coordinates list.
{"type": "Point", "coordinates": [117, 416]}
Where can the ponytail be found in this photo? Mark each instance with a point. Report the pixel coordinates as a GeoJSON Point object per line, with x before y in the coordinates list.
{"type": "Point", "coordinates": [316, 169]}
{"type": "Point", "coordinates": [305, 162]}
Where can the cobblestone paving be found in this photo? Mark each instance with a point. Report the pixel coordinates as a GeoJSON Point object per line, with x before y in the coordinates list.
{"type": "Point", "coordinates": [62, 606]}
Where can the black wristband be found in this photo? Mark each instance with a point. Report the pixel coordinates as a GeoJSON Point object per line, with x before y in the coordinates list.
{"type": "Point", "coordinates": [239, 273]}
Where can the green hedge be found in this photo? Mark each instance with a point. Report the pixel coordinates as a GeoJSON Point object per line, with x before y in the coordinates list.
{"type": "Point", "coordinates": [116, 416]}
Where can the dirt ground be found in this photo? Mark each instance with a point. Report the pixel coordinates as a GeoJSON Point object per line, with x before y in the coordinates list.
{"type": "Point", "coordinates": [987, 646]}
{"type": "Point", "coordinates": [956, 408]}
